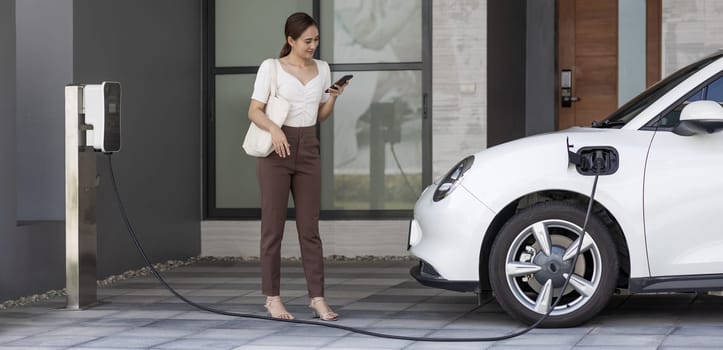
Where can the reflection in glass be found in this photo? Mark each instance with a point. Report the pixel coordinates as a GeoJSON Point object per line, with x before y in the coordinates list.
{"type": "Point", "coordinates": [373, 31]}
{"type": "Point", "coordinates": [377, 148]}
{"type": "Point", "coordinates": [249, 31]}
{"type": "Point", "coordinates": [236, 185]}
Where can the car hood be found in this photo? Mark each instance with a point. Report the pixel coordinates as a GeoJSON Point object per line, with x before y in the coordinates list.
{"type": "Point", "coordinates": [505, 172]}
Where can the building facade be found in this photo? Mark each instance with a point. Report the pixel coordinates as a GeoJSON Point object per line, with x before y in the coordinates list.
{"type": "Point", "coordinates": [433, 81]}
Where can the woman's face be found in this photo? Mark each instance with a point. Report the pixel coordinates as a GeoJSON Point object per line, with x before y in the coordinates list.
{"type": "Point", "coordinates": [307, 43]}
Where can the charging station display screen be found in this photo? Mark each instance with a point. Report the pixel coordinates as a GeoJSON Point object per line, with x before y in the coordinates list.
{"type": "Point", "coordinates": [111, 138]}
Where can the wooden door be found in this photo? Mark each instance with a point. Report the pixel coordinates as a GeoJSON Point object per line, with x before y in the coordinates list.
{"type": "Point", "coordinates": [588, 47]}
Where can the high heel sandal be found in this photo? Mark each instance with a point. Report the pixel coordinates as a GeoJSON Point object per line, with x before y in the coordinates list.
{"type": "Point", "coordinates": [277, 310]}
{"type": "Point", "coordinates": [326, 313]}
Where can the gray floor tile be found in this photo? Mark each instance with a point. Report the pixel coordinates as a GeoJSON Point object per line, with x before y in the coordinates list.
{"type": "Point", "coordinates": [185, 324]}
{"type": "Point", "coordinates": [52, 340]}
{"type": "Point", "coordinates": [699, 330]}
{"type": "Point", "coordinates": [13, 330]}
{"type": "Point", "coordinates": [622, 340]}
{"type": "Point", "coordinates": [544, 340]}
{"type": "Point", "coordinates": [377, 306]}
{"type": "Point", "coordinates": [234, 334]}
{"type": "Point", "coordinates": [10, 338]}
{"type": "Point", "coordinates": [694, 341]}
{"type": "Point", "coordinates": [448, 346]}
{"type": "Point", "coordinates": [217, 292]}
{"type": "Point", "coordinates": [315, 331]}
{"type": "Point", "coordinates": [412, 323]}
{"type": "Point", "coordinates": [118, 322]}
{"type": "Point", "coordinates": [274, 347]}
{"type": "Point", "coordinates": [140, 314]}
{"type": "Point", "coordinates": [156, 332]}
{"type": "Point", "coordinates": [281, 340]}
{"type": "Point", "coordinates": [379, 297]}
{"type": "Point", "coordinates": [195, 344]}
{"type": "Point", "coordinates": [525, 347]}
{"type": "Point", "coordinates": [368, 343]}
{"type": "Point", "coordinates": [633, 329]}
{"type": "Point", "coordinates": [202, 315]}
{"type": "Point", "coordinates": [87, 331]}
{"type": "Point", "coordinates": [128, 342]}
{"type": "Point", "coordinates": [4, 347]}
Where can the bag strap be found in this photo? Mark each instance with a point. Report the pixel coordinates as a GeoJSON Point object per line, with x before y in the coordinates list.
{"type": "Point", "coordinates": [273, 81]}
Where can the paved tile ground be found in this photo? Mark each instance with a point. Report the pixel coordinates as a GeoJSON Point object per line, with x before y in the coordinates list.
{"type": "Point", "coordinates": [377, 296]}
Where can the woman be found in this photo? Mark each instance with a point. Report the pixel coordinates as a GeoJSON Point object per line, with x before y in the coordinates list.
{"type": "Point", "coordinates": [294, 163]}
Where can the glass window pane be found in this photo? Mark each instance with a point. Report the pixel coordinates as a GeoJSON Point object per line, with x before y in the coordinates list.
{"type": "Point", "coordinates": [249, 31]}
{"type": "Point", "coordinates": [377, 142]}
{"type": "Point", "coordinates": [715, 91]}
{"type": "Point", "coordinates": [236, 185]}
{"type": "Point", "coordinates": [371, 31]}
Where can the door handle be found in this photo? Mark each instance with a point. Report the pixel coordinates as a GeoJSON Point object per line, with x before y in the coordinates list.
{"type": "Point", "coordinates": [566, 98]}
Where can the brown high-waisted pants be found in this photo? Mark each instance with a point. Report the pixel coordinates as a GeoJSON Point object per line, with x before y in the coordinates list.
{"type": "Point", "coordinates": [300, 173]}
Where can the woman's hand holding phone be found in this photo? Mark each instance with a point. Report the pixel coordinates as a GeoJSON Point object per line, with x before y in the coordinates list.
{"type": "Point", "coordinates": [339, 84]}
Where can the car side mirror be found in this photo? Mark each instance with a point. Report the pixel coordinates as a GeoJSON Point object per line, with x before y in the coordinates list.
{"type": "Point", "coordinates": [700, 117]}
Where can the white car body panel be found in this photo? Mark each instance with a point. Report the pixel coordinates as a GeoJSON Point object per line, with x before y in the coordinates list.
{"type": "Point", "coordinates": [496, 182]}
{"type": "Point", "coordinates": [684, 179]}
{"type": "Point", "coordinates": [458, 233]}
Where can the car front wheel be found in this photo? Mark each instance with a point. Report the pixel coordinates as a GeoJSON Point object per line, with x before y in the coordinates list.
{"type": "Point", "coordinates": [533, 255]}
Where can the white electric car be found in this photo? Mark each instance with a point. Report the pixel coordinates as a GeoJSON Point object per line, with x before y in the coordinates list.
{"type": "Point", "coordinates": [508, 219]}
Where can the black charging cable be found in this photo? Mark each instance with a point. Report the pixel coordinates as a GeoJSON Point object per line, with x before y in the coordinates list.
{"type": "Point", "coordinates": [160, 278]}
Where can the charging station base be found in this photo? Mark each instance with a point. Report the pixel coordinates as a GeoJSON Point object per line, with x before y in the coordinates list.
{"type": "Point", "coordinates": [81, 181]}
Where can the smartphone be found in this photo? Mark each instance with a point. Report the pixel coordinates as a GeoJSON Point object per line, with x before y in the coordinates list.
{"type": "Point", "coordinates": [341, 81]}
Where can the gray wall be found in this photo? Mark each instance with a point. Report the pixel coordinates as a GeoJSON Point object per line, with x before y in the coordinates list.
{"type": "Point", "coordinates": [540, 67]}
{"type": "Point", "coordinates": [506, 38]}
{"type": "Point", "coordinates": [30, 260]}
{"type": "Point", "coordinates": [44, 65]}
{"type": "Point", "coordinates": [7, 120]}
{"type": "Point", "coordinates": [154, 50]}
{"type": "Point", "coordinates": [521, 79]}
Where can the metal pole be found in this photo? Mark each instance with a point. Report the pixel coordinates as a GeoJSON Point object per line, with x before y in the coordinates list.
{"type": "Point", "coordinates": [80, 221]}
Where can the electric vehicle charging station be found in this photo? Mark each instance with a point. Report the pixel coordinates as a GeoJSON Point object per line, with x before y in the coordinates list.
{"type": "Point", "coordinates": [92, 123]}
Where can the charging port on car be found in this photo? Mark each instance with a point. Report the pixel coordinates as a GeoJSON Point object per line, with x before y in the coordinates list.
{"type": "Point", "coordinates": [597, 160]}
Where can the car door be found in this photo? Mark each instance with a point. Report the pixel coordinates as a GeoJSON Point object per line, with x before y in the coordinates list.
{"type": "Point", "coordinates": [683, 195]}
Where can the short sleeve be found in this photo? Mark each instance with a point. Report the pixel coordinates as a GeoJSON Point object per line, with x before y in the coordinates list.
{"type": "Point", "coordinates": [326, 71]}
{"type": "Point", "coordinates": [261, 84]}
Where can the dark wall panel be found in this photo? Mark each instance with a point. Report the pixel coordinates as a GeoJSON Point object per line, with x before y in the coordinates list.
{"type": "Point", "coordinates": [44, 65]}
{"type": "Point", "coordinates": [153, 48]}
{"type": "Point", "coordinates": [506, 37]}
{"type": "Point", "coordinates": [540, 67]}
{"type": "Point", "coordinates": [31, 257]}
{"type": "Point", "coordinates": [7, 145]}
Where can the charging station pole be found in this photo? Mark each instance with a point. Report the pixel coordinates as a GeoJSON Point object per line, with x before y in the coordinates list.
{"type": "Point", "coordinates": [80, 219]}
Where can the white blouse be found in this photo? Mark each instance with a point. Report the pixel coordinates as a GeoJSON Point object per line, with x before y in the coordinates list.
{"type": "Point", "coordinates": [303, 99]}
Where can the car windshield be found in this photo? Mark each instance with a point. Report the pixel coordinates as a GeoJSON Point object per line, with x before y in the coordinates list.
{"type": "Point", "coordinates": [631, 109]}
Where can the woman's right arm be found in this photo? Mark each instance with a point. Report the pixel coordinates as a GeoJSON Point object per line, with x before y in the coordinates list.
{"type": "Point", "coordinates": [278, 138]}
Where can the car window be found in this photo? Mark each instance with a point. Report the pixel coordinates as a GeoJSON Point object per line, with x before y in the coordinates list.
{"type": "Point", "coordinates": [715, 91]}
{"type": "Point", "coordinates": [712, 91]}
{"type": "Point", "coordinates": [672, 118]}
{"type": "Point", "coordinates": [631, 109]}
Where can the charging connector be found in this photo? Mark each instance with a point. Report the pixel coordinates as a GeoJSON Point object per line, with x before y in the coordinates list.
{"type": "Point", "coordinates": [594, 160]}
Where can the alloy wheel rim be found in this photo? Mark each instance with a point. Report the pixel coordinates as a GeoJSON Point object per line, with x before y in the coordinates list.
{"type": "Point", "coordinates": [537, 263]}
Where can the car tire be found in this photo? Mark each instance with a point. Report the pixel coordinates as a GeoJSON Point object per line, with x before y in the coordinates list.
{"type": "Point", "coordinates": [533, 253]}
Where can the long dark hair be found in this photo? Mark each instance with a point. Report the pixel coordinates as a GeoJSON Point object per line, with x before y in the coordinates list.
{"type": "Point", "coordinates": [296, 24]}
